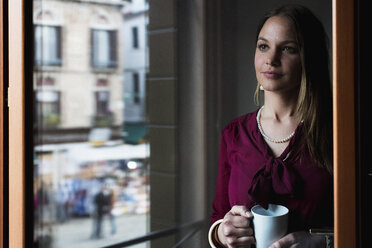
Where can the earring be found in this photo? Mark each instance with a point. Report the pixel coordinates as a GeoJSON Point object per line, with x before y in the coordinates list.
{"type": "Point", "coordinates": [261, 87]}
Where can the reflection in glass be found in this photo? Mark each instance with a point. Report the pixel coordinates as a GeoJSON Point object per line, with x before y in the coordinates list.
{"type": "Point", "coordinates": [91, 151]}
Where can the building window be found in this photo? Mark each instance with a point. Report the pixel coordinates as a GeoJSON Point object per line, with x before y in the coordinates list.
{"type": "Point", "coordinates": [102, 103]}
{"type": "Point", "coordinates": [45, 81]}
{"type": "Point", "coordinates": [136, 88]}
{"type": "Point", "coordinates": [48, 45]}
{"type": "Point", "coordinates": [135, 43]}
{"type": "Point", "coordinates": [104, 48]}
{"type": "Point", "coordinates": [48, 108]}
{"type": "Point", "coordinates": [103, 116]}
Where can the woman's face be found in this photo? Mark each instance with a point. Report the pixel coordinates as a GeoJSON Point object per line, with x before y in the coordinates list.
{"type": "Point", "coordinates": [277, 59]}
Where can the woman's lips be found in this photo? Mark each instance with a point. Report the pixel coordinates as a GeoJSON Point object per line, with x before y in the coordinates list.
{"type": "Point", "coordinates": [272, 75]}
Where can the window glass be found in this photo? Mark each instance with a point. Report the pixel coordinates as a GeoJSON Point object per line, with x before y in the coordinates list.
{"type": "Point", "coordinates": [104, 48]}
{"type": "Point", "coordinates": [135, 37]}
{"type": "Point", "coordinates": [47, 45]}
{"type": "Point", "coordinates": [47, 106]}
{"type": "Point", "coordinates": [91, 172]}
{"type": "Point", "coordinates": [136, 88]}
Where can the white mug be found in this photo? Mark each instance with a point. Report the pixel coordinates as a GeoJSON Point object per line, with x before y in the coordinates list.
{"type": "Point", "coordinates": [269, 224]}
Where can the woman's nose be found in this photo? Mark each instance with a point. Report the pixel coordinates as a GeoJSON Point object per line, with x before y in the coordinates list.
{"type": "Point", "coordinates": [273, 58]}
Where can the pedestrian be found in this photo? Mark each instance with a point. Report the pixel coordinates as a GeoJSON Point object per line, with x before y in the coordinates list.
{"type": "Point", "coordinates": [112, 199]}
{"type": "Point", "coordinates": [102, 208]}
{"type": "Point", "coordinates": [61, 200]}
{"type": "Point", "coordinates": [282, 152]}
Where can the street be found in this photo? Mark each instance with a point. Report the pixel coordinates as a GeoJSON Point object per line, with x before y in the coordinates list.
{"type": "Point", "coordinates": [76, 232]}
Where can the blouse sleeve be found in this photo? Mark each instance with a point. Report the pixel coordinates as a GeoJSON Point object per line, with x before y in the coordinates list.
{"type": "Point", "coordinates": [221, 204]}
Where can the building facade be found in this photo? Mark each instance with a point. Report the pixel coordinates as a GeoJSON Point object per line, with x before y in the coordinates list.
{"type": "Point", "coordinates": [135, 68]}
{"type": "Point", "coordinates": [77, 49]}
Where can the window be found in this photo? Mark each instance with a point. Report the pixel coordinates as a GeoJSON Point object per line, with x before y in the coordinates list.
{"type": "Point", "coordinates": [48, 108]}
{"type": "Point", "coordinates": [102, 103]}
{"type": "Point", "coordinates": [104, 48]}
{"type": "Point", "coordinates": [47, 45]}
{"type": "Point", "coordinates": [18, 164]}
{"type": "Point", "coordinates": [136, 88]}
{"type": "Point", "coordinates": [135, 43]}
{"type": "Point", "coordinates": [103, 116]}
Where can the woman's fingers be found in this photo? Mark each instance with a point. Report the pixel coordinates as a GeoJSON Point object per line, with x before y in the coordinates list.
{"type": "Point", "coordinates": [236, 230]}
{"type": "Point", "coordinates": [237, 221]}
{"type": "Point", "coordinates": [231, 231]}
{"type": "Point", "coordinates": [244, 241]}
{"type": "Point", "coordinates": [298, 239]}
{"type": "Point", "coordinates": [238, 216]}
{"type": "Point", "coordinates": [241, 210]}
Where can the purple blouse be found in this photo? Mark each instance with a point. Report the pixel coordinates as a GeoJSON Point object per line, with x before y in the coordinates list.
{"type": "Point", "coordinates": [248, 174]}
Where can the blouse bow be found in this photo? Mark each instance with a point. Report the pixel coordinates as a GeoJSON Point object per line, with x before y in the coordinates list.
{"type": "Point", "coordinates": [274, 178]}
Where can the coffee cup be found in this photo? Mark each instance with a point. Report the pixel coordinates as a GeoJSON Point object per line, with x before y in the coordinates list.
{"type": "Point", "coordinates": [269, 224]}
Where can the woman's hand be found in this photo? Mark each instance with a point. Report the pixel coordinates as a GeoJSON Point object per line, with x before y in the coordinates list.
{"type": "Point", "coordinates": [299, 239]}
{"type": "Point", "coordinates": [236, 230]}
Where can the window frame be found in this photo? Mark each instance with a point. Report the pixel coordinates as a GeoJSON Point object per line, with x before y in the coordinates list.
{"type": "Point", "coordinates": [136, 87]}
{"type": "Point", "coordinates": [102, 107]}
{"type": "Point", "coordinates": [16, 44]}
{"type": "Point", "coordinates": [2, 125]}
{"type": "Point", "coordinates": [344, 124]}
{"type": "Point", "coordinates": [58, 47]}
{"type": "Point", "coordinates": [135, 37]}
{"type": "Point", "coordinates": [344, 116]}
{"type": "Point", "coordinates": [56, 106]}
{"type": "Point", "coordinates": [112, 49]}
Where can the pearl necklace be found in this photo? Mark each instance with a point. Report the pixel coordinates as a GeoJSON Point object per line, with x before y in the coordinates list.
{"type": "Point", "coordinates": [267, 137]}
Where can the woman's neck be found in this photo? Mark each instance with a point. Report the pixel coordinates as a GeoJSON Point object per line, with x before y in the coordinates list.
{"type": "Point", "coordinates": [279, 107]}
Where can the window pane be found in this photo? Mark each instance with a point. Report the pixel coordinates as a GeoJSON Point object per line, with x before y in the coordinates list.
{"type": "Point", "coordinates": [101, 46]}
{"type": "Point", "coordinates": [104, 48]}
{"type": "Point", "coordinates": [47, 45]}
{"type": "Point", "coordinates": [135, 37]}
{"type": "Point", "coordinates": [136, 88]}
{"type": "Point", "coordinates": [91, 173]}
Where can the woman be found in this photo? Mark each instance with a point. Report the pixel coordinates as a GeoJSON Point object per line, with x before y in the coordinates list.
{"type": "Point", "coordinates": [281, 153]}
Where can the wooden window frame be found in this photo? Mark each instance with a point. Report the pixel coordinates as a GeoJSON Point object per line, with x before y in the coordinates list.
{"type": "Point", "coordinates": [344, 124]}
{"type": "Point", "coordinates": [16, 96]}
{"type": "Point", "coordinates": [1, 125]}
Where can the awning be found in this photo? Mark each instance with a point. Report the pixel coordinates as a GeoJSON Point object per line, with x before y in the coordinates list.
{"type": "Point", "coordinates": [84, 152]}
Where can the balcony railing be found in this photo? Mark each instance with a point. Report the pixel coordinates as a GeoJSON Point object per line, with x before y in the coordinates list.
{"type": "Point", "coordinates": [51, 120]}
{"type": "Point", "coordinates": [102, 120]}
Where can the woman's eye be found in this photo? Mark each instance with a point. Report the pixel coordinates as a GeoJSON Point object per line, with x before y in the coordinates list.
{"type": "Point", "coordinates": [289, 49]}
{"type": "Point", "coordinates": [262, 47]}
